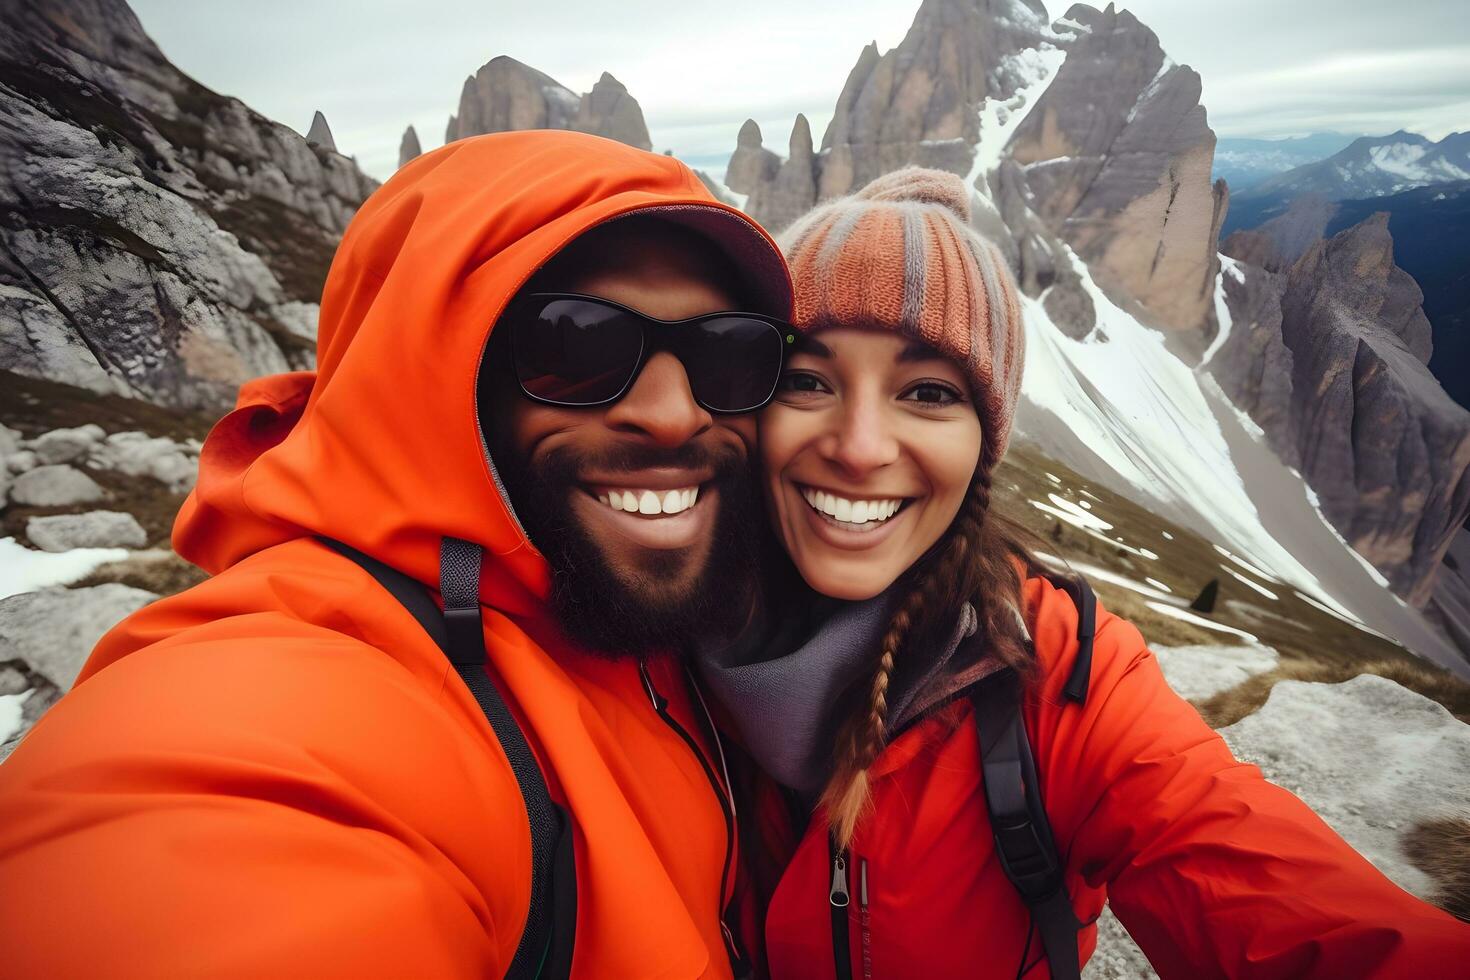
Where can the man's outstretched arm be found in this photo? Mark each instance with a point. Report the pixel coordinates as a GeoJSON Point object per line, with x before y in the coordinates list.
{"type": "Point", "coordinates": [289, 803]}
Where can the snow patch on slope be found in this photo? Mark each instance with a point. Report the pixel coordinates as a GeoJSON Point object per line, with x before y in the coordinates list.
{"type": "Point", "coordinates": [25, 570]}
{"type": "Point", "coordinates": [999, 118]}
{"type": "Point", "coordinates": [1143, 412]}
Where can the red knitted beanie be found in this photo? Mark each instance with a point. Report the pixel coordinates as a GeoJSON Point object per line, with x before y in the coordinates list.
{"type": "Point", "coordinates": [901, 254]}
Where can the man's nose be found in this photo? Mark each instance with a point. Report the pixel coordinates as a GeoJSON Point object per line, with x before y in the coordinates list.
{"type": "Point", "coordinates": [660, 406]}
{"type": "Point", "coordinates": [863, 439]}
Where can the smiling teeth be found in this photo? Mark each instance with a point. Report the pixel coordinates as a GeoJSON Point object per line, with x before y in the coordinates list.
{"type": "Point", "coordinates": [650, 502]}
{"type": "Point", "coordinates": [851, 511]}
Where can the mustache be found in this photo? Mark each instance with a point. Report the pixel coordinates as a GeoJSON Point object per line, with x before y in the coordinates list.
{"type": "Point", "coordinates": [564, 465]}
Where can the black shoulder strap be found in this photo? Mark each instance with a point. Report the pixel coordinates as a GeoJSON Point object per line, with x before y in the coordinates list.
{"type": "Point", "coordinates": [545, 948]}
{"type": "Point", "coordinates": [1023, 837]}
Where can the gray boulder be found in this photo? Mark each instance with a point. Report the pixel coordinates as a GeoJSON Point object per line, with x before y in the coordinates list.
{"type": "Point", "coordinates": [408, 148]}
{"type": "Point", "coordinates": [21, 462]}
{"type": "Point", "coordinates": [165, 242]}
{"type": "Point", "coordinates": [138, 454]}
{"type": "Point", "coordinates": [54, 630]}
{"type": "Point", "coordinates": [66, 445]}
{"type": "Point", "coordinates": [1380, 759]}
{"type": "Point", "coordinates": [10, 441]}
{"type": "Point", "coordinates": [55, 486]}
{"type": "Point", "coordinates": [94, 529]}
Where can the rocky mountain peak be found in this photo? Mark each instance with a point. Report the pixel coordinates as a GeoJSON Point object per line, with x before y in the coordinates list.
{"type": "Point", "coordinates": [506, 95]}
{"type": "Point", "coordinates": [320, 134]}
{"type": "Point", "coordinates": [165, 242]}
{"type": "Point", "coordinates": [751, 165]}
{"type": "Point", "coordinates": [408, 147]}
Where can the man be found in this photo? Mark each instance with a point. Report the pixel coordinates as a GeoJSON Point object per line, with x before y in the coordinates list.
{"type": "Point", "coordinates": [276, 772]}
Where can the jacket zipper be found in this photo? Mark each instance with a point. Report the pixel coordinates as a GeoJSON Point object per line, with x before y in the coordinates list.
{"type": "Point", "coordinates": [866, 919]}
{"type": "Point", "coordinates": [739, 964]}
{"type": "Point", "coordinates": [840, 898]}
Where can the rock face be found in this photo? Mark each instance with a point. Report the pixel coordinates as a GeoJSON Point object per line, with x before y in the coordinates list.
{"type": "Point", "coordinates": [1251, 362]}
{"type": "Point", "coordinates": [917, 104]}
{"type": "Point", "coordinates": [1111, 157]}
{"type": "Point", "coordinates": [408, 148]}
{"type": "Point", "coordinates": [1330, 357]}
{"type": "Point", "coordinates": [1382, 444]}
{"type": "Point", "coordinates": [1117, 154]}
{"type": "Point", "coordinates": [320, 134]}
{"type": "Point", "coordinates": [751, 165]}
{"type": "Point", "coordinates": [792, 191]}
{"type": "Point", "coordinates": [505, 95]}
{"type": "Point", "coordinates": [95, 529]}
{"type": "Point", "coordinates": [159, 240]}
{"type": "Point", "coordinates": [1277, 243]}
{"type": "Point", "coordinates": [1378, 759]}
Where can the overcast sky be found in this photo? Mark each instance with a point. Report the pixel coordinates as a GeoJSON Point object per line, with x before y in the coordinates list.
{"type": "Point", "coordinates": [699, 69]}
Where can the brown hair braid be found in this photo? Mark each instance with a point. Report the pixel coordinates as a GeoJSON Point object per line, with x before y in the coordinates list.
{"type": "Point", "coordinates": [974, 563]}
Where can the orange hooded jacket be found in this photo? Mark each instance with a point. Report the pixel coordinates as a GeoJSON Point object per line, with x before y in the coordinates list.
{"type": "Point", "coordinates": [276, 773]}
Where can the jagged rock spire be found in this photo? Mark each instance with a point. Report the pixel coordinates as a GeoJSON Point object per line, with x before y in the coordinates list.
{"type": "Point", "coordinates": [409, 147]}
{"type": "Point", "coordinates": [320, 134]}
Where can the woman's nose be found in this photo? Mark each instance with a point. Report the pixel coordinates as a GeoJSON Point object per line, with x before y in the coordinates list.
{"type": "Point", "coordinates": [864, 438]}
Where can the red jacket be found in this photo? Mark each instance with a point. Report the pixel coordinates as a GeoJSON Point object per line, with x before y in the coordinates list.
{"type": "Point", "coordinates": [1214, 871]}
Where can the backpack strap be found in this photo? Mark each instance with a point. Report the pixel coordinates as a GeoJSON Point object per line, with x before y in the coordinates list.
{"type": "Point", "coordinates": [545, 948]}
{"type": "Point", "coordinates": [1018, 819]}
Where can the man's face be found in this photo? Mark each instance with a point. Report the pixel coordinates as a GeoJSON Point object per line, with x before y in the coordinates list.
{"type": "Point", "coordinates": [634, 581]}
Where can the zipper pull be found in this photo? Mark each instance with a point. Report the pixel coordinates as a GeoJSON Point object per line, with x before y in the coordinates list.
{"type": "Point", "coordinates": [839, 895]}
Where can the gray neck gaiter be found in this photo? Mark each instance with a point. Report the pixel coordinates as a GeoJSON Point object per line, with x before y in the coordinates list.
{"type": "Point", "coordinates": [781, 680]}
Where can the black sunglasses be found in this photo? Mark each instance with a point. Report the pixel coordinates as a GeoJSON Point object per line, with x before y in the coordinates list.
{"type": "Point", "coordinates": [579, 351]}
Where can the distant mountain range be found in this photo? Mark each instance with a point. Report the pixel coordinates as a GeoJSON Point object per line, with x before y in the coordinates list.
{"type": "Point", "coordinates": [1370, 166]}
{"type": "Point", "coordinates": [1243, 163]}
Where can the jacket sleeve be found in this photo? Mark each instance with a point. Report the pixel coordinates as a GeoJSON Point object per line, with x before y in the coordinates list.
{"type": "Point", "coordinates": [1214, 871]}
{"type": "Point", "coordinates": [284, 805]}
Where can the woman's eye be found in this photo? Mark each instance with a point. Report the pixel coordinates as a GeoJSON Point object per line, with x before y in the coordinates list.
{"type": "Point", "coordinates": [932, 393]}
{"type": "Point", "coordinates": [798, 382]}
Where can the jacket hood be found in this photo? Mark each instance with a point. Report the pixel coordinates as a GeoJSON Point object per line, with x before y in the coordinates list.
{"type": "Point", "coordinates": [380, 446]}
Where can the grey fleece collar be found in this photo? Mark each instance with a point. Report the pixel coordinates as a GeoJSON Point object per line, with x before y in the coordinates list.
{"type": "Point", "coordinates": [782, 690]}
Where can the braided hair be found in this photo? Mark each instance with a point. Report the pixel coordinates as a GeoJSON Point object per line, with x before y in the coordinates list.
{"type": "Point", "coordinates": [973, 562]}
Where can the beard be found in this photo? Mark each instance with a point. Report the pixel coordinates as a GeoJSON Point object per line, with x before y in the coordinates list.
{"type": "Point", "coordinates": [658, 606]}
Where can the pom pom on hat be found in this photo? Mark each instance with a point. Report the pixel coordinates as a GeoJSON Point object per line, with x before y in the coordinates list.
{"type": "Point", "coordinates": [921, 186]}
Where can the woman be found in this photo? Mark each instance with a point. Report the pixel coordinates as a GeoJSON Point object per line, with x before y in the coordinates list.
{"type": "Point", "coordinates": [860, 697]}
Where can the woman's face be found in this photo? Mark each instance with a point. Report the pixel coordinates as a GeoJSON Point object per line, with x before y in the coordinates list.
{"type": "Point", "coordinates": [868, 449]}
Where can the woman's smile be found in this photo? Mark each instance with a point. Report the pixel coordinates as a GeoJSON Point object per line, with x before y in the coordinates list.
{"type": "Point", "coordinates": [869, 450]}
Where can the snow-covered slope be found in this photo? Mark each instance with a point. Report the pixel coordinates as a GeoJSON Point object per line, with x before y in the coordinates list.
{"type": "Point", "coordinates": [1119, 407]}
